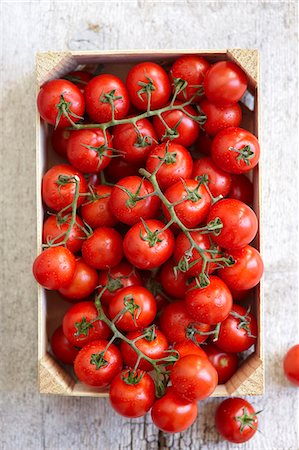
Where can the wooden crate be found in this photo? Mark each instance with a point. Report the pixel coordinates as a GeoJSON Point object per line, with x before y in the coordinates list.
{"type": "Point", "coordinates": [55, 379]}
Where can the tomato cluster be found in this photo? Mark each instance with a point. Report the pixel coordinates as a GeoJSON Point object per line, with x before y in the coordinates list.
{"type": "Point", "coordinates": [149, 232]}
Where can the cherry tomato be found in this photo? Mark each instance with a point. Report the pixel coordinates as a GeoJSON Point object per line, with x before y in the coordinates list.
{"type": "Point", "coordinates": [193, 378]}
{"type": "Point", "coordinates": [62, 348]}
{"type": "Point", "coordinates": [177, 164]}
{"type": "Point", "coordinates": [225, 363]}
{"type": "Point", "coordinates": [124, 201]}
{"type": "Point", "coordinates": [173, 414]}
{"type": "Point", "coordinates": [173, 283]}
{"type": "Point", "coordinates": [220, 116]}
{"type": "Point", "coordinates": [291, 365]}
{"type": "Point", "coordinates": [83, 283]}
{"type": "Point", "coordinates": [54, 268]}
{"type": "Point", "coordinates": [225, 83]}
{"type": "Point", "coordinates": [59, 140]}
{"type": "Point", "coordinates": [239, 223]}
{"type": "Point", "coordinates": [103, 249]}
{"type": "Point", "coordinates": [55, 226]}
{"type": "Point", "coordinates": [96, 367]}
{"type": "Point", "coordinates": [235, 150]}
{"type": "Point", "coordinates": [148, 245]}
{"type": "Point", "coordinates": [88, 151]}
{"type": "Point", "coordinates": [119, 168]}
{"type": "Point", "coordinates": [148, 84]}
{"type": "Point", "coordinates": [247, 270]}
{"type": "Point", "coordinates": [132, 393]}
{"type": "Point", "coordinates": [238, 331]}
{"type": "Point", "coordinates": [60, 103]}
{"type": "Point", "coordinates": [58, 186]}
{"type": "Point", "coordinates": [185, 348]}
{"type": "Point", "coordinates": [218, 181]}
{"type": "Point", "coordinates": [80, 78]}
{"type": "Point", "coordinates": [241, 189]}
{"type": "Point", "coordinates": [80, 325]}
{"type": "Point", "coordinates": [236, 420]}
{"type": "Point", "coordinates": [192, 69]}
{"type": "Point", "coordinates": [96, 210]}
{"type": "Point", "coordinates": [140, 307]}
{"type": "Point", "coordinates": [135, 141]}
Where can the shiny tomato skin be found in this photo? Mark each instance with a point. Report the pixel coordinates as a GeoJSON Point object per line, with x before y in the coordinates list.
{"type": "Point", "coordinates": [225, 83]}
{"type": "Point", "coordinates": [291, 365]}
{"type": "Point", "coordinates": [154, 349]}
{"type": "Point", "coordinates": [54, 268]}
{"type": "Point", "coordinates": [59, 140]}
{"type": "Point", "coordinates": [83, 283]}
{"type": "Point", "coordinates": [140, 253]}
{"type": "Point", "coordinates": [135, 145]}
{"type": "Point", "coordinates": [81, 313]}
{"type": "Point", "coordinates": [141, 73]}
{"type": "Point", "coordinates": [173, 414]}
{"type": "Point", "coordinates": [63, 350]}
{"type": "Point", "coordinates": [132, 400]}
{"type": "Point", "coordinates": [218, 181]}
{"type": "Point", "coordinates": [119, 168]}
{"type": "Point", "coordinates": [58, 197]}
{"type": "Point", "coordinates": [227, 423]}
{"type": "Point", "coordinates": [96, 210]}
{"type": "Point", "coordinates": [185, 348]}
{"type": "Point", "coordinates": [52, 229]}
{"type": "Point", "coordinates": [233, 337]}
{"type": "Point", "coordinates": [188, 129]}
{"type": "Point", "coordinates": [241, 189]}
{"type": "Point", "coordinates": [190, 212]}
{"type": "Point", "coordinates": [247, 270]}
{"type": "Point", "coordinates": [192, 69]}
{"type": "Point", "coordinates": [172, 171]}
{"type": "Point", "coordinates": [86, 370]}
{"type": "Point", "coordinates": [49, 97]}
{"type": "Point", "coordinates": [227, 159]}
{"type": "Point", "coordinates": [173, 285]}
{"type": "Point", "coordinates": [239, 222]}
{"type": "Point", "coordinates": [87, 159]}
{"type": "Point", "coordinates": [220, 116]}
{"type": "Point", "coordinates": [144, 314]}
{"type": "Point", "coordinates": [100, 111]}
{"type": "Point", "coordinates": [103, 249]}
{"type": "Point", "coordinates": [80, 78]}
{"type": "Point", "coordinates": [225, 363]}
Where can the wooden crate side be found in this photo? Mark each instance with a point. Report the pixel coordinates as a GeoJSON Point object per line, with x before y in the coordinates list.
{"type": "Point", "coordinates": [51, 65]}
{"type": "Point", "coordinates": [249, 378]}
{"type": "Point", "coordinates": [52, 378]}
{"type": "Point", "coordinates": [248, 59]}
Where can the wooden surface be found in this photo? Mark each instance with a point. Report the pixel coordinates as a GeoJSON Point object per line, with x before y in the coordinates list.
{"type": "Point", "coordinates": [30, 421]}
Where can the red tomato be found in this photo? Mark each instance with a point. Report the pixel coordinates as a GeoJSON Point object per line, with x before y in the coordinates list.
{"type": "Point", "coordinates": [235, 150]}
{"type": "Point", "coordinates": [225, 363]}
{"type": "Point", "coordinates": [146, 246]}
{"type": "Point", "coordinates": [103, 249]}
{"type": "Point", "coordinates": [194, 209]}
{"type": "Point", "coordinates": [88, 151]}
{"type": "Point", "coordinates": [178, 163]}
{"type": "Point", "coordinates": [83, 283]}
{"type": "Point", "coordinates": [173, 414]}
{"type": "Point", "coordinates": [192, 69]}
{"type": "Point", "coordinates": [97, 365]}
{"type": "Point", "coordinates": [135, 141]}
{"type": "Point", "coordinates": [173, 284]}
{"type": "Point", "coordinates": [225, 83]}
{"type": "Point", "coordinates": [58, 186]}
{"type": "Point", "coordinates": [62, 348]}
{"type": "Point", "coordinates": [54, 226]}
{"type": "Point", "coordinates": [239, 223]}
{"type": "Point", "coordinates": [54, 268]}
{"type": "Point", "coordinates": [218, 181]}
{"type": "Point", "coordinates": [80, 78]}
{"type": "Point", "coordinates": [96, 210]}
{"type": "Point", "coordinates": [103, 91]}
{"type": "Point", "coordinates": [124, 201]}
{"type": "Point", "coordinates": [181, 125]}
{"type": "Point", "coordinates": [185, 348]}
{"type": "Point", "coordinates": [59, 140]}
{"type": "Point", "coordinates": [148, 81]}
{"type": "Point", "coordinates": [291, 365]}
{"type": "Point", "coordinates": [117, 278]}
{"type": "Point", "coordinates": [203, 144]}
{"type": "Point", "coordinates": [220, 116]}
{"type": "Point", "coordinates": [175, 323]}
{"type": "Point", "coordinates": [247, 270]}
{"type": "Point", "coordinates": [132, 393]}
{"type": "Point", "coordinates": [154, 345]}
{"type": "Point", "coordinates": [241, 189]}
{"type": "Point", "coordinates": [140, 307]}
{"type": "Point", "coordinates": [80, 325]}
{"type": "Point", "coordinates": [119, 168]}
{"type": "Point", "coordinates": [238, 332]}
{"type": "Point", "coordinates": [236, 420]}
{"type": "Point", "coordinates": [211, 304]}
{"type": "Point", "coordinates": [60, 103]}
{"type": "Point", "coordinates": [239, 295]}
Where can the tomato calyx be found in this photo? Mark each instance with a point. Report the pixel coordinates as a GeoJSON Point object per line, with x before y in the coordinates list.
{"type": "Point", "coordinates": [150, 333]}
{"type": "Point", "coordinates": [150, 236]}
{"type": "Point", "coordinates": [114, 283]}
{"type": "Point", "coordinates": [83, 327]}
{"type": "Point", "coordinates": [131, 307]}
{"type": "Point", "coordinates": [146, 88]}
{"type": "Point", "coordinates": [110, 97]}
{"type": "Point", "coordinates": [132, 376]}
{"type": "Point", "coordinates": [63, 108]}
{"type": "Point", "coordinates": [179, 86]}
{"type": "Point", "coordinates": [245, 154]}
{"type": "Point", "coordinates": [244, 321]}
{"type": "Point", "coordinates": [98, 360]}
{"type": "Point", "coordinates": [143, 141]}
{"type": "Point", "coordinates": [204, 180]}
{"type": "Point", "coordinates": [191, 332]}
{"type": "Point", "coordinates": [192, 194]}
{"type": "Point", "coordinates": [247, 420]}
{"type": "Point", "coordinates": [133, 198]}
